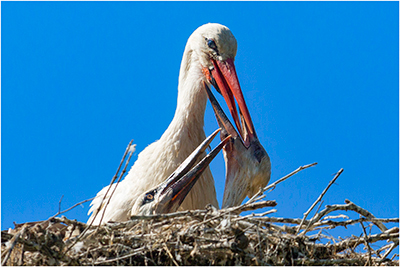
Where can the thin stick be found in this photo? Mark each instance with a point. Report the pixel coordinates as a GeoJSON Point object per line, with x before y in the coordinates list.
{"type": "Point", "coordinates": [349, 222]}
{"type": "Point", "coordinates": [238, 210]}
{"type": "Point", "coordinates": [251, 206]}
{"type": "Point", "coordinates": [70, 208]}
{"type": "Point", "coordinates": [273, 185]}
{"type": "Point", "coordinates": [367, 243]}
{"type": "Point", "coordinates": [366, 214]}
{"type": "Point", "coordinates": [195, 213]}
{"type": "Point", "coordinates": [353, 242]}
{"type": "Point", "coordinates": [318, 200]}
{"type": "Point", "coordinates": [309, 223]}
{"type": "Point", "coordinates": [326, 262]}
{"type": "Point", "coordinates": [119, 179]}
{"type": "Point", "coordinates": [250, 216]}
{"type": "Point", "coordinates": [163, 216]}
{"type": "Point", "coordinates": [108, 189]}
{"type": "Point", "coordinates": [395, 244]}
{"type": "Point", "coordinates": [59, 213]}
{"type": "Point", "coordinates": [59, 204]}
{"type": "Point", "coordinates": [169, 254]}
{"type": "Point", "coordinates": [346, 207]}
{"type": "Point", "coordinates": [136, 251]}
{"type": "Point", "coordinates": [13, 241]}
{"type": "Point", "coordinates": [111, 183]}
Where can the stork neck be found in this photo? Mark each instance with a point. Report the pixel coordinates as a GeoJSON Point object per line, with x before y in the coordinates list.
{"type": "Point", "coordinates": [191, 102]}
{"type": "Point", "coordinates": [192, 97]}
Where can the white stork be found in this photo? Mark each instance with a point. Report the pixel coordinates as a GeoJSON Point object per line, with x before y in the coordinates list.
{"type": "Point", "coordinates": [208, 59]}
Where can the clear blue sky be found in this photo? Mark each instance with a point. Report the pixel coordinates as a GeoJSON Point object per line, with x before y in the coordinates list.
{"type": "Point", "coordinates": [79, 80]}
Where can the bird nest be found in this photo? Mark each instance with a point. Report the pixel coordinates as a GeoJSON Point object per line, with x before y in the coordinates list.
{"type": "Point", "coordinates": [206, 237]}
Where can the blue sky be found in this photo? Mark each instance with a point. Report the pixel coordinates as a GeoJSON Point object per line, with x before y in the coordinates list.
{"type": "Point", "coordinates": [79, 80]}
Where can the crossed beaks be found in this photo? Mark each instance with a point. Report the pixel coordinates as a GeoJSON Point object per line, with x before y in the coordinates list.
{"type": "Point", "coordinates": [168, 196]}
{"type": "Point", "coordinates": [248, 167]}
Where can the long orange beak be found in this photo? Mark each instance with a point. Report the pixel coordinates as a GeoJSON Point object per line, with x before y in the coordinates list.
{"type": "Point", "coordinates": [224, 78]}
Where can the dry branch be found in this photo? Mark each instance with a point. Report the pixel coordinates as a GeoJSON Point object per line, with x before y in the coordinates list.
{"type": "Point", "coordinates": [316, 202]}
{"type": "Point", "coordinates": [128, 149]}
{"type": "Point", "coordinates": [259, 195]}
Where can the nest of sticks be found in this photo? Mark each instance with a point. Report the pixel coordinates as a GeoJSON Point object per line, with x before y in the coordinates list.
{"type": "Point", "coordinates": [208, 237]}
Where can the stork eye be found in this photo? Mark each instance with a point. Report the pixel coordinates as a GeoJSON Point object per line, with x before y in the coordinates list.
{"type": "Point", "coordinates": [211, 44]}
{"type": "Point", "coordinates": [149, 197]}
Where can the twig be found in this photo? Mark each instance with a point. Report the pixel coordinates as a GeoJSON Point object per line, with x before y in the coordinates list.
{"type": "Point", "coordinates": [164, 216]}
{"type": "Point", "coordinates": [128, 149]}
{"type": "Point", "coordinates": [170, 255]}
{"type": "Point", "coordinates": [96, 212]}
{"type": "Point", "coordinates": [336, 217]}
{"type": "Point", "coordinates": [59, 204]}
{"type": "Point", "coordinates": [355, 221]}
{"type": "Point", "coordinates": [239, 209]}
{"type": "Point", "coordinates": [264, 213]}
{"type": "Point", "coordinates": [318, 200]}
{"type": "Point", "coordinates": [367, 244]}
{"type": "Point", "coordinates": [366, 214]}
{"type": "Point", "coordinates": [346, 207]}
{"type": "Point", "coordinates": [239, 218]}
{"type": "Point", "coordinates": [353, 242]}
{"type": "Point", "coordinates": [67, 221]}
{"type": "Point", "coordinates": [191, 213]}
{"type": "Point", "coordinates": [64, 211]}
{"type": "Point", "coordinates": [136, 251]}
{"type": "Point", "coordinates": [280, 220]}
{"type": "Point", "coordinates": [273, 185]}
{"type": "Point", "coordinates": [13, 242]}
{"type": "Point", "coordinates": [395, 244]}
{"type": "Point", "coordinates": [250, 206]}
{"type": "Point", "coordinates": [328, 262]}
{"type": "Point", "coordinates": [379, 250]}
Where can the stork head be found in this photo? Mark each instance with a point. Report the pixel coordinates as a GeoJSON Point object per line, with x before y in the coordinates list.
{"type": "Point", "coordinates": [212, 42]}
{"type": "Point", "coordinates": [168, 196]}
{"type": "Point", "coordinates": [212, 49]}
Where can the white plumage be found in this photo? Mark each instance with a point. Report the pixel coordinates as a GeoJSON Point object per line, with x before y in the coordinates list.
{"type": "Point", "coordinates": [184, 134]}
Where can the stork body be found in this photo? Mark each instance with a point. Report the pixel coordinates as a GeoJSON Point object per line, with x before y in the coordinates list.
{"type": "Point", "coordinates": [184, 134]}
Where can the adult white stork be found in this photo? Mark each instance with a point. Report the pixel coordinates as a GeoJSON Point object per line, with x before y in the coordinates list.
{"type": "Point", "coordinates": [209, 53]}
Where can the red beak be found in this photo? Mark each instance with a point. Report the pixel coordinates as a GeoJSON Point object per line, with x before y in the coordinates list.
{"type": "Point", "coordinates": [227, 82]}
{"type": "Point", "coordinates": [248, 166]}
